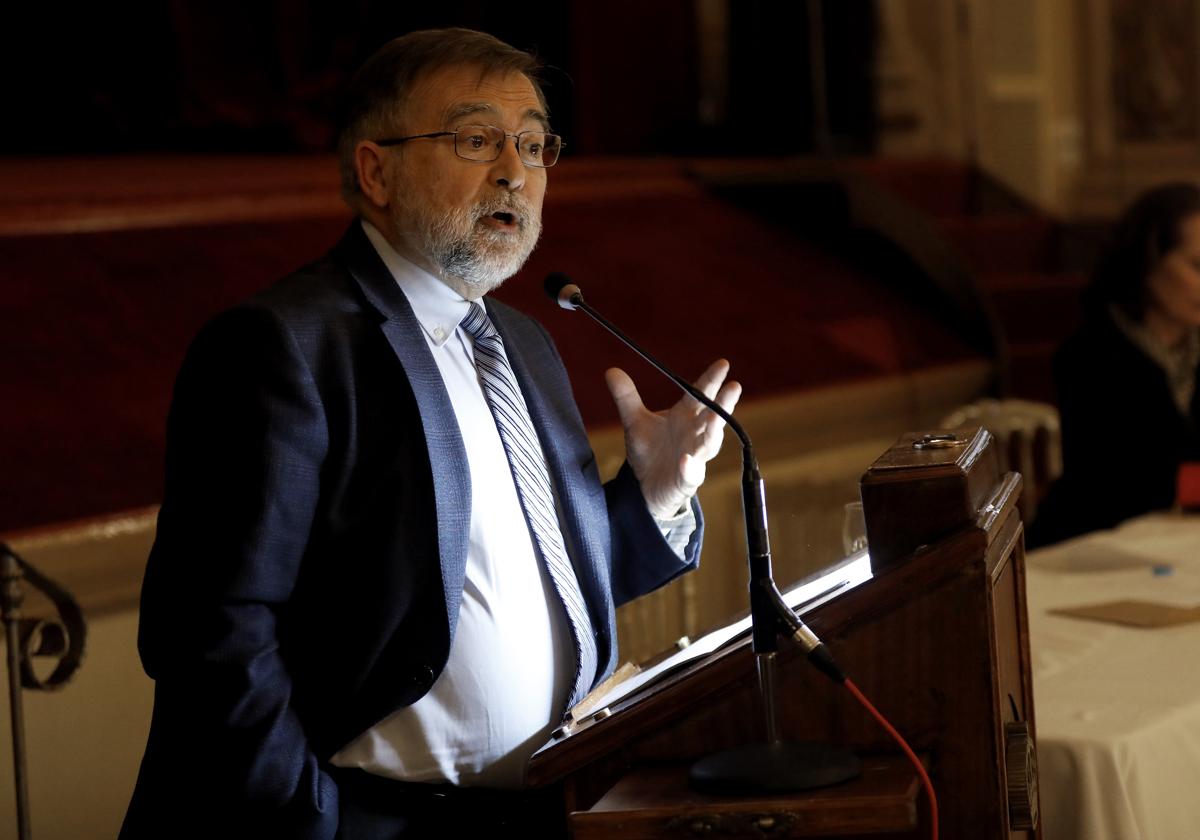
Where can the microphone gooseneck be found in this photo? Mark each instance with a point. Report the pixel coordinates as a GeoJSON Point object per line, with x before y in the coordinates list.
{"type": "Point", "coordinates": [770, 613]}
{"type": "Point", "coordinates": [775, 765]}
{"type": "Point", "coordinates": [566, 294]}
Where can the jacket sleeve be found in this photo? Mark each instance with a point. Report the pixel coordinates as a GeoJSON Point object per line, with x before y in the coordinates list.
{"type": "Point", "coordinates": [245, 443]}
{"type": "Point", "coordinates": [642, 560]}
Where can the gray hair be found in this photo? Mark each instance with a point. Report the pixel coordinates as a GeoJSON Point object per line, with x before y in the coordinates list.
{"type": "Point", "coordinates": [379, 91]}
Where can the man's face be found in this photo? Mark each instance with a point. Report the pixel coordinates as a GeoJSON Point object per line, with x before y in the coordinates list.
{"type": "Point", "coordinates": [474, 224]}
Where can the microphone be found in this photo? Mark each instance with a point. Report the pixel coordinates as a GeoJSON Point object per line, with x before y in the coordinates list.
{"type": "Point", "coordinates": [767, 607]}
{"type": "Point", "coordinates": [775, 765]}
{"type": "Point", "coordinates": [560, 289]}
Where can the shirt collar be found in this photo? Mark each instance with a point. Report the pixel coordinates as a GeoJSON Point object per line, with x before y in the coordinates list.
{"type": "Point", "coordinates": [438, 308]}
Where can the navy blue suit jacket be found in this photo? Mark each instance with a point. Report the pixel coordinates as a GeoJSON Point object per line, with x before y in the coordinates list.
{"type": "Point", "coordinates": [306, 575]}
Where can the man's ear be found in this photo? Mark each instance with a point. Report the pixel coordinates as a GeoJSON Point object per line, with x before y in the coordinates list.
{"type": "Point", "coordinates": [372, 174]}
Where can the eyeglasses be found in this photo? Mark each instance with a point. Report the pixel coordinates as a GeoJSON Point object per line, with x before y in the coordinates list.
{"type": "Point", "coordinates": [483, 143]}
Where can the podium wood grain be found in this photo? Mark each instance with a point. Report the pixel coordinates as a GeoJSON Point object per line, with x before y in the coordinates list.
{"type": "Point", "coordinates": [655, 802]}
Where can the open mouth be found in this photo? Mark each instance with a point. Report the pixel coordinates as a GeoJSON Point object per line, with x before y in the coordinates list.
{"type": "Point", "coordinates": [504, 218]}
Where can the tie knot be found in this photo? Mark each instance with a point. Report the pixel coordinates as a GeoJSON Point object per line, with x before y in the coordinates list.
{"type": "Point", "coordinates": [477, 323]}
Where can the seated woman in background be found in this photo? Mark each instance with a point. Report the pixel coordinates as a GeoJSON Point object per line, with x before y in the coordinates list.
{"type": "Point", "coordinates": [1127, 380]}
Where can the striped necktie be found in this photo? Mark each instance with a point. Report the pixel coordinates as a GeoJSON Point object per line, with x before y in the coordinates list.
{"type": "Point", "coordinates": [533, 485]}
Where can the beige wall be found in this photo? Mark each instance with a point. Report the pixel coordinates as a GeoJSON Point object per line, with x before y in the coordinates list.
{"type": "Point", "coordinates": [84, 741]}
{"type": "Point", "coordinates": [1077, 105]}
{"type": "Point", "coordinates": [994, 82]}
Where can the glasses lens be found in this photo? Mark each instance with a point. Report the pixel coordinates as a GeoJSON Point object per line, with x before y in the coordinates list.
{"type": "Point", "coordinates": [478, 142]}
{"type": "Point", "coordinates": [539, 148]}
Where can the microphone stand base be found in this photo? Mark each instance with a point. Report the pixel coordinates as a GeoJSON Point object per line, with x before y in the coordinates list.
{"type": "Point", "coordinates": [781, 767]}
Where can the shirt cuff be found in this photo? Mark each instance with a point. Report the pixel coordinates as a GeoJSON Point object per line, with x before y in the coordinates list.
{"type": "Point", "coordinates": [678, 529]}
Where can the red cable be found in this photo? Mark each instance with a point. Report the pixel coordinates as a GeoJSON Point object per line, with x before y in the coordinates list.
{"type": "Point", "coordinates": [933, 809]}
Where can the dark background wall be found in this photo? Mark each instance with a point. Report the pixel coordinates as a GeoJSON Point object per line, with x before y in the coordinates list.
{"type": "Point", "coordinates": [623, 76]}
{"type": "Point", "coordinates": [157, 122]}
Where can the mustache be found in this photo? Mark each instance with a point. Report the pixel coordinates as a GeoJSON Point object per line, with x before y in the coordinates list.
{"type": "Point", "coordinates": [510, 203]}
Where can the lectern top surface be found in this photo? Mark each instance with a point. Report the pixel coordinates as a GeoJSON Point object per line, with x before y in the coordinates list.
{"type": "Point", "coordinates": [953, 450]}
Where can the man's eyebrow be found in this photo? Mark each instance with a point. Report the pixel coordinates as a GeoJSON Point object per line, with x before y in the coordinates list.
{"type": "Point", "coordinates": [466, 109]}
{"type": "Point", "coordinates": [539, 117]}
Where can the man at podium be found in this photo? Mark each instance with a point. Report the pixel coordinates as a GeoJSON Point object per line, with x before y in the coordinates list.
{"type": "Point", "coordinates": [385, 564]}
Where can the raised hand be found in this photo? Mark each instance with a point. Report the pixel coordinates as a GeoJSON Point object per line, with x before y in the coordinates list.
{"type": "Point", "coordinates": [669, 450]}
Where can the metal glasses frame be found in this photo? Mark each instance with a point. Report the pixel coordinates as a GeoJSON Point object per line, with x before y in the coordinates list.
{"type": "Point", "coordinates": [396, 141]}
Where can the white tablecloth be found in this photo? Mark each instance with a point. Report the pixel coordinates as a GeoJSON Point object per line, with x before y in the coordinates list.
{"type": "Point", "coordinates": [1118, 708]}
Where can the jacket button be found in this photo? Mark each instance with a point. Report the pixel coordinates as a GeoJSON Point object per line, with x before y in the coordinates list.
{"type": "Point", "coordinates": [423, 677]}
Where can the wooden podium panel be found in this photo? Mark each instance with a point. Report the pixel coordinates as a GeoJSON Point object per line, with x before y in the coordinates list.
{"type": "Point", "coordinates": [655, 802]}
{"type": "Point", "coordinates": [937, 638]}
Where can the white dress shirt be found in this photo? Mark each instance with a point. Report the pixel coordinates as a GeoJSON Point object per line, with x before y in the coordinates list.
{"type": "Point", "coordinates": [512, 662]}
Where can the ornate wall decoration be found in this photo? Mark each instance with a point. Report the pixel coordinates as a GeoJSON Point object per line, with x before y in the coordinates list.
{"type": "Point", "coordinates": [1154, 69]}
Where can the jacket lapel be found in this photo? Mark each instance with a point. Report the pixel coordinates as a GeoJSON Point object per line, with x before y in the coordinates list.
{"type": "Point", "coordinates": [447, 456]}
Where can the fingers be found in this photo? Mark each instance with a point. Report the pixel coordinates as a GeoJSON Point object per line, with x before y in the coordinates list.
{"type": "Point", "coordinates": [624, 394]}
{"type": "Point", "coordinates": [709, 382]}
{"type": "Point", "coordinates": [704, 427]}
{"type": "Point", "coordinates": [714, 429]}
{"type": "Point", "coordinates": [729, 395]}
{"type": "Point", "coordinates": [725, 394]}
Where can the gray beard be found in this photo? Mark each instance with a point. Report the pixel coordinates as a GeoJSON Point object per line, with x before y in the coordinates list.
{"type": "Point", "coordinates": [472, 258]}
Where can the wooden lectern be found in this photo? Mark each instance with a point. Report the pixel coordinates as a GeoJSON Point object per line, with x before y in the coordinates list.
{"type": "Point", "coordinates": [937, 638]}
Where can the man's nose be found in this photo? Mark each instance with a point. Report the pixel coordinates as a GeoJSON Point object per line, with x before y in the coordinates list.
{"type": "Point", "coordinates": [508, 171]}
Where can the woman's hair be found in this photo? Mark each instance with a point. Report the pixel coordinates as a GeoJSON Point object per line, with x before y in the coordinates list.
{"type": "Point", "coordinates": [1147, 232]}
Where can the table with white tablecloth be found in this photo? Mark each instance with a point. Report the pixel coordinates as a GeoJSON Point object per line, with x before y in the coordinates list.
{"type": "Point", "coordinates": [1118, 707]}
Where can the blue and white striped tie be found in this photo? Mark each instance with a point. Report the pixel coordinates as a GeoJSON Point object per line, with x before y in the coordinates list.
{"type": "Point", "coordinates": [528, 467]}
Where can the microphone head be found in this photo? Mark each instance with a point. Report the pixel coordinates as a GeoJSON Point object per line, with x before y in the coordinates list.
{"type": "Point", "coordinates": [560, 289]}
